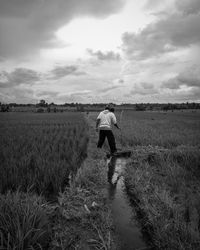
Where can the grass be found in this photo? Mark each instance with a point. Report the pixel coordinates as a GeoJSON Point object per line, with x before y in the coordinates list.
{"type": "Point", "coordinates": [160, 128]}
{"type": "Point", "coordinates": [44, 153]}
{"type": "Point", "coordinates": [23, 222]}
{"type": "Point", "coordinates": [168, 195]}
{"type": "Point", "coordinates": [162, 178]}
{"type": "Point", "coordinates": [80, 224]}
{"type": "Point", "coordinates": [40, 150]}
{"type": "Point", "coordinates": [38, 153]}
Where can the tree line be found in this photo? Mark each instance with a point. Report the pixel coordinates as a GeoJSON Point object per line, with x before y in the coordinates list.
{"type": "Point", "coordinates": [49, 107]}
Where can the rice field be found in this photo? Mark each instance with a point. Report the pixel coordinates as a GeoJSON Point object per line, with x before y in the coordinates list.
{"type": "Point", "coordinates": [165, 129]}
{"type": "Point", "coordinates": [39, 151]}
{"type": "Point", "coordinates": [162, 178]}
{"type": "Point", "coordinates": [38, 155]}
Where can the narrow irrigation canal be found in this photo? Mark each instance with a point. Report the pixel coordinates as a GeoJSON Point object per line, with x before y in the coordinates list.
{"type": "Point", "coordinates": [125, 218]}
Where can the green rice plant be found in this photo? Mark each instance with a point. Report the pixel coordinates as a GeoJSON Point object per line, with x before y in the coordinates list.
{"type": "Point", "coordinates": [40, 150]}
{"type": "Point", "coordinates": [23, 222]}
{"type": "Point", "coordinates": [168, 130]}
{"type": "Point", "coordinates": [186, 157]}
{"type": "Point", "coordinates": [87, 176]}
{"type": "Point", "coordinates": [167, 193]}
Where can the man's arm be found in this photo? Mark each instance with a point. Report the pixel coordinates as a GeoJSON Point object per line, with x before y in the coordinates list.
{"type": "Point", "coordinates": [114, 120]}
{"type": "Point", "coordinates": [116, 125]}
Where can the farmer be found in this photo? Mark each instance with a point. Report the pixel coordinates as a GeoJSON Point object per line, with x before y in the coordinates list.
{"type": "Point", "coordinates": [104, 124]}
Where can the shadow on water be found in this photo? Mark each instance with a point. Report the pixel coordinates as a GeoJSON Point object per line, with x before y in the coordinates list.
{"type": "Point", "coordinates": [124, 215]}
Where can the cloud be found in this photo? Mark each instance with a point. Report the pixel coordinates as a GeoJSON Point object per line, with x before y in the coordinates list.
{"type": "Point", "coordinates": [107, 89]}
{"type": "Point", "coordinates": [172, 83]}
{"type": "Point", "coordinates": [120, 81]}
{"type": "Point", "coordinates": [29, 25]}
{"type": "Point", "coordinates": [117, 83]}
{"type": "Point", "coordinates": [82, 93]}
{"type": "Point", "coordinates": [188, 78]}
{"type": "Point", "coordinates": [19, 76]}
{"type": "Point", "coordinates": [47, 93]}
{"type": "Point", "coordinates": [107, 56]}
{"type": "Point", "coordinates": [147, 85]}
{"type": "Point", "coordinates": [18, 95]}
{"type": "Point", "coordinates": [62, 71]}
{"type": "Point", "coordinates": [150, 4]}
{"type": "Point", "coordinates": [143, 88]}
{"type": "Point", "coordinates": [171, 33]}
{"type": "Point", "coordinates": [75, 96]}
{"type": "Point", "coordinates": [180, 95]}
{"type": "Point", "coordinates": [188, 7]}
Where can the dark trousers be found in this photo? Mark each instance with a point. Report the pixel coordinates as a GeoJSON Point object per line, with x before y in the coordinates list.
{"type": "Point", "coordinates": [103, 134]}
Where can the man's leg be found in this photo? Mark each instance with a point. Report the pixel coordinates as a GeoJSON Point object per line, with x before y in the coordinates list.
{"type": "Point", "coordinates": [101, 140]}
{"type": "Point", "coordinates": [111, 141]}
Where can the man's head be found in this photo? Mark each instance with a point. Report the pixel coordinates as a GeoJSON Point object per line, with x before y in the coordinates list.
{"type": "Point", "coordinates": [107, 108]}
{"type": "Point", "coordinates": [112, 110]}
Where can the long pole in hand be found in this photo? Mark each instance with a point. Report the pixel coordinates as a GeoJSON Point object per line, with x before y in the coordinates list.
{"type": "Point", "coordinates": [120, 120]}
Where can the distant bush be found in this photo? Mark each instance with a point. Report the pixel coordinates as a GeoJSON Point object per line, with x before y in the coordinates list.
{"type": "Point", "coordinates": [140, 107]}
{"type": "Point", "coordinates": [23, 222]}
{"type": "Point", "coordinates": [4, 108]}
{"type": "Point", "coordinates": [40, 110]}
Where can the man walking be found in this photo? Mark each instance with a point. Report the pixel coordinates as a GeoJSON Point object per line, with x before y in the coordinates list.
{"type": "Point", "coordinates": [104, 124]}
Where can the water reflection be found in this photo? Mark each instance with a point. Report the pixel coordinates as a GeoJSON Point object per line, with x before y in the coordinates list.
{"type": "Point", "coordinates": [130, 236]}
{"type": "Point", "coordinates": [111, 169]}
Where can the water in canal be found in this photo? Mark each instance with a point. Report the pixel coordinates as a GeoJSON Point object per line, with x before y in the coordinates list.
{"type": "Point", "coordinates": [125, 218]}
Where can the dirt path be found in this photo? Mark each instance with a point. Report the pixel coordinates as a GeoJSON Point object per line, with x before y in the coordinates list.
{"type": "Point", "coordinates": [83, 215]}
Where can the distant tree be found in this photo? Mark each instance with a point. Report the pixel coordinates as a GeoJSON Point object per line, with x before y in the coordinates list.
{"type": "Point", "coordinates": [51, 104]}
{"type": "Point", "coordinates": [40, 110]}
{"type": "Point", "coordinates": [69, 104]}
{"type": "Point", "coordinates": [42, 103]}
{"type": "Point", "coordinates": [150, 107]}
{"type": "Point", "coordinates": [80, 108]}
{"type": "Point", "coordinates": [193, 105]}
{"type": "Point", "coordinates": [4, 108]}
{"type": "Point", "coordinates": [12, 104]}
{"type": "Point", "coordinates": [140, 107]}
{"type": "Point", "coordinates": [166, 107]}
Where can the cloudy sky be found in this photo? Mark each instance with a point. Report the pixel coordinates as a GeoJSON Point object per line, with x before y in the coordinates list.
{"type": "Point", "coordinates": [122, 51]}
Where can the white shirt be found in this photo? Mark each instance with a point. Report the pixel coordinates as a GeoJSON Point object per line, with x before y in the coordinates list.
{"type": "Point", "coordinates": [107, 118]}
